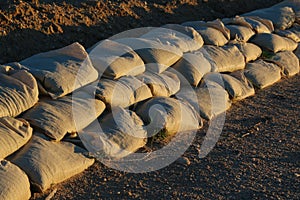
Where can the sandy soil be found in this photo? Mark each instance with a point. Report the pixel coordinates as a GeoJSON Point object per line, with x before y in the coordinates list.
{"type": "Point", "coordinates": [258, 154]}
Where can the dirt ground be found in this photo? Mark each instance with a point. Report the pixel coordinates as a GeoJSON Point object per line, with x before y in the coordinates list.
{"type": "Point", "coordinates": [258, 154]}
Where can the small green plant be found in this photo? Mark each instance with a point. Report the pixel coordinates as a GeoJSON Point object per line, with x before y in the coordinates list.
{"type": "Point", "coordinates": [267, 54]}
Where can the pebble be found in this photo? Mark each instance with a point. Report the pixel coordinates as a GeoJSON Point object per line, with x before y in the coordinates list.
{"type": "Point", "coordinates": [183, 160]}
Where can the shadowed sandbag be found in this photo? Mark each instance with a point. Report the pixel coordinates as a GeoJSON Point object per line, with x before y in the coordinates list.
{"type": "Point", "coordinates": [288, 62]}
{"type": "Point", "coordinates": [116, 135]}
{"type": "Point", "coordinates": [14, 133]}
{"type": "Point", "coordinates": [65, 115]}
{"type": "Point", "coordinates": [154, 52]}
{"type": "Point", "coordinates": [168, 116]}
{"type": "Point", "coordinates": [262, 74]}
{"type": "Point", "coordinates": [240, 33]}
{"type": "Point", "coordinates": [226, 58]}
{"type": "Point", "coordinates": [61, 71]}
{"type": "Point", "coordinates": [47, 162]}
{"type": "Point", "coordinates": [113, 60]}
{"type": "Point", "coordinates": [18, 91]}
{"type": "Point", "coordinates": [14, 184]}
{"type": "Point", "coordinates": [165, 84]}
{"type": "Point", "coordinates": [292, 33]}
{"type": "Point", "coordinates": [274, 42]}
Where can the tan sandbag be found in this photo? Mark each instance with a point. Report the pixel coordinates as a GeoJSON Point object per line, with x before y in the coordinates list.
{"type": "Point", "coordinates": [249, 50]}
{"type": "Point", "coordinates": [18, 91]}
{"type": "Point", "coordinates": [282, 17]}
{"type": "Point", "coordinates": [185, 38]}
{"type": "Point", "coordinates": [159, 55]}
{"type": "Point", "coordinates": [193, 66]}
{"type": "Point", "coordinates": [209, 101]}
{"type": "Point", "coordinates": [294, 4]}
{"type": "Point", "coordinates": [292, 33]}
{"type": "Point", "coordinates": [123, 92]}
{"type": "Point", "coordinates": [227, 58]}
{"type": "Point", "coordinates": [240, 33]}
{"type": "Point", "coordinates": [262, 74]}
{"type": "Point", "coordinates": [274, 42]}
{"type": "Point", "coordinates": [165, 84]}
{"type": "Point", "coordinates": [288, 62]}
{"type": "Point", "coordinates": [255, 23]}
{"type": "Point", "coordinates": [168, 116]}
{"type": "Point", "coordinates": [120, 134]}
{"type": "Point", "coordinates": [14, 133]}
{"type": "Point", "coordinates": [113, 60]}
{"type": "Point", "coordinates": [61, 71]}
{"type": "Point", "coordinates": [14, 183]}
{"type": "Point", "coordinates": [235, 83]}
{"type": "Point", "coordinates": [68, 114]}
{"type": "Point", "coordinates": [47, 162]}
{"type": "Point", "coordinates": [213, 32]}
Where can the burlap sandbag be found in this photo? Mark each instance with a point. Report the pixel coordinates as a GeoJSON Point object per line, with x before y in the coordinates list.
{"type": "Point", "coordinates": [14, 133]}
{"type": "Point", "coordinates": [123, 92]}
{"type": "Point", "coordinates": [159, 55]}
{"type": "Point", "coordinates": [282, 17]}
{"type": "Point", "coordinates": [227, 58]}
{"type": "Point", "coordinates": [288, 62]}
{"type": "Point", "coordinates": [249, 50]}
{"type": "Point", "coordinates": [240, 33]}
{"type": "Point", "coordinates": [14, 183]}
{"type": "Point", "coordinates": [209, 101]}
{"type": "Point", "coordinates": [168, 116]}
{"type": "Point", "coordinates": [257, 24]}
{"type": "Point", "coordinates": [165, 84]}
{"type": "Point", "coordinates": [185, 38]}
{"type": "Point", "coordinates": [115, 136]}
{"type": "Point", "coordinates": [113, 60]}
{"type": "Point", "coordinates": [274, 42]}
{"type": "Point", "coordinates": [62, 71]}
{"type": "Point", "coordinates": [68, 114]}
{"type": "Point", "coordinates": [292, 33]}
{"type": "Point", "coordinates": [47, 162]}
{"type": "Point", "coordinates": [18, 92]}
{"type": "Point", "coordinates": [235, 83]}
{"type": "Point", "coordinates": [193, 66]}
{"type": "Point", "coordinates": [262, 74]}
{"type": "Point", "coordinates": [294, 4]}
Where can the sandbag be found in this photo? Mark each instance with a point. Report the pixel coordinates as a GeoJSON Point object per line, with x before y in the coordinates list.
{"type": "Point", "coordinates": [14, 133]}
{"type": "Point", "coordinates": [297, 52]}
{"type": "Point", "coordinates": [113, 60]}
{"type": "Point", "coordinates": [213, 32]}
{"type": "Point", "coordinates": [292, 33]}
{"type": "Point", "coordinates": [168, 116]}
{"type": "Point", "coordinates": [159, 55]}
{"type": "Point", "coordinates": [193, 66]}
{"type": "Point", "coordinates": [14, 184]}
{"type": "Point", "coordinates": [288, 62]}
{"type": "Point", "coordinates": [235, 83]}
{"type": "Point", "coordinates": [210, 101]}
{"type": "Point", "coordinates": [262, 74]}
{"type": "Point", "coordinates": [185, 38]}
{"type": "Point", "coordinates": [257, 24]}
{"type": "Point", "coordinates": [120, 134]}
{"type": "Point", "coordinates": [68, 114]}
{"type": "Point", "coordinates": [294, 4]}
{"type": "Point", "coordinates": [227, 58]}
{"type": "Point", "coordinates": [274, 42]}
{"type": "Point", "coordinates": [124, 92]}
{"type": "Point", "coordinates": [165, 84]}
{"type": "Point", "coordinates": [18, 92]}
{"type": "Point", "coordinates": [240, 33]}
{"type": "Point", "coordinates": [250, 51]}
{"type": "Point", "coordinates": [61, 71]}
{"type": "Point", "coordinates": [282, 17]}
{"type": "Point", "coordinates": [47, 162]}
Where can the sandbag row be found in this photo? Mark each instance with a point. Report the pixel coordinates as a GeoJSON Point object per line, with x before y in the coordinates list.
{"type": "Point", "coordinates": [125, 90]}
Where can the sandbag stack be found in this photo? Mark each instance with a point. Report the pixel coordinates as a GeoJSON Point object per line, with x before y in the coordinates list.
{"type": "Point", "coordinates": [164, 81]}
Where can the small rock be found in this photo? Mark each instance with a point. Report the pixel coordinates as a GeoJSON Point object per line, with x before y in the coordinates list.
{"type": "Point", "coordinates": [183, 160]}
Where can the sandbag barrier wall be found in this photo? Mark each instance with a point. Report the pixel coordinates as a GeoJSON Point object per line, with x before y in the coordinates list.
{"type": "Point", "coordinates": [37, 128]}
